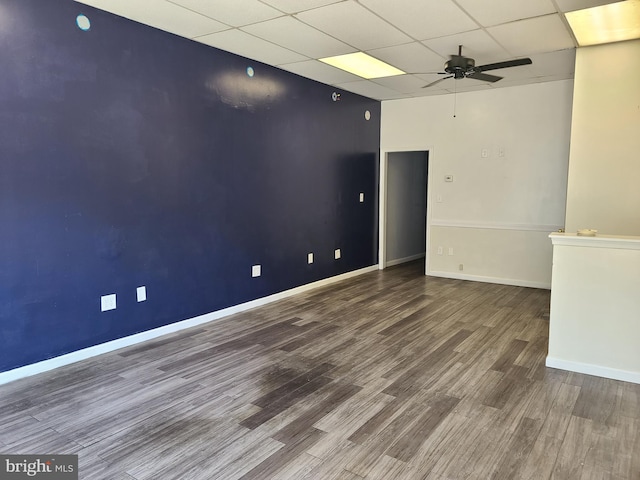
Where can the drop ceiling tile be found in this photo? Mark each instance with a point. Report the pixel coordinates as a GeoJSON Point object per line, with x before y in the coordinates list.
{"type": "Point", "coordinates": [431, 93]}
{"type": "Point", "coordinates": [468, 87]}
{"type": "Point", "coordinates": [370, 89]}
{"type": "Point", "coordinates": [355, 25]}
{"type": "Point", "coordinates": [428, 78]}
{"type": "Point", "coordinates": [553, 78]}
{"type": "Point", "coordinates": [295, 35]}
{"type": "Point", "coordinates": [236, 13]}
{"type": "Point", "coordinates": [320, 71]}
{"type": "Point", "coordinates": [523, 71]}
{"type": "Point", "coordinates": [402, 83]}
{"type": "Point", "coordinates": [410, 57]}
{"type": "Point", "coordinates": [570, 5]}
{"type": "Point", "coordinates": [476, 44]}
{"type": "Point", "coordinates": [295, 6]}
{"type": "Point", "coordinates": [495, 12]}
{"type": "Point", "coordinates": [162, 15]}
{"type": "Point", "coordinates": [421, 19]}
{"type": "Point", "coordinates": [398, 96]}
{"type": "Point", "coordinates": [561, 62]}
{"type": "Point", "coordinates": [534, 35]}
{"type": "Point", "coordinates": [241, 43]}
{"type": "Point", "coordinates": [514, 82]}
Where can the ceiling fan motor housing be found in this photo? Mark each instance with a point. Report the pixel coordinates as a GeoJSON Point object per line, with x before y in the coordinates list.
{"type": "Point", "coordinates": [459, 65]}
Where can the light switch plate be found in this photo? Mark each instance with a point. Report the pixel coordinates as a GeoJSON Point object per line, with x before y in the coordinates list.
{"type": "Point", "coordinates": [256, 271]}
{"type": "Point", "coordinates": [337, 253]}
{"type": "Point", "coordinates": [141, 293]}
{"type": "Point", "coordinates": [361, 197]}
{"type": "Point", "coordinates": [310, 258]}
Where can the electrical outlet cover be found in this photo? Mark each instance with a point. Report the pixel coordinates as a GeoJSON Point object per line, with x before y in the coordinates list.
{"type": "Point", "coordinates": [108, 302]}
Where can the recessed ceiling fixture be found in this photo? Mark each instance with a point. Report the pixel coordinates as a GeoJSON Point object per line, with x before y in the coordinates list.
{"type": "Point", "coordinates": [363, 65]}
{"type": "Point", "coordinates": [613, 22]}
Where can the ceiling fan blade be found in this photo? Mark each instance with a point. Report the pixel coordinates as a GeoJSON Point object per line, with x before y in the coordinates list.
{"type": "Point", "coordinates": [427, 73]}
{"type": "Point", "coordinates": [437, 81]}
{"type": "Point", "coordinates": [510, 63]}
{"type": "Point", "coordinates": [485, 77]}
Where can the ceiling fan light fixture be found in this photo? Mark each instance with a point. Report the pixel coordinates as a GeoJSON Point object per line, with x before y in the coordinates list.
{"type": "Point", "coordinates": [614, 22]}
{"type": "Point", "coordinates": [362, 65]}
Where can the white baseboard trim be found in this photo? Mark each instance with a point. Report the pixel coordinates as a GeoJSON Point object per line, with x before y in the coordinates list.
{"type": "Point", "coordinates": [502, 281]}
{"type": "Point", "coordinates": [85, 353]}
{"type": "Point", "coordinates": [596, 370]}
{"type": "Point", "coordinates": [398, 261]}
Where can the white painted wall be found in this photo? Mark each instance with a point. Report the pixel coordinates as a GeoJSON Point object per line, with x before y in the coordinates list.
{"type": "Point", "coordinates": [406, 205]}
{"type": "Point", "coordinates": [498, 211]}
{"type": "Point", "coordinates": [519, 251]}
{"type": "Point", "coordinates": [604, 169]}
{"type": "Point", "coordinates": [595, 306]}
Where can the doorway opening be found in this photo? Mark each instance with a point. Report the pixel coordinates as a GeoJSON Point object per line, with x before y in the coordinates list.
{"type": "Point", "coordinates": [404, 208]}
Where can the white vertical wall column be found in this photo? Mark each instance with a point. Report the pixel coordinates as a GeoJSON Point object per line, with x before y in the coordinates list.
{"type": "Point", "coordinates": [604, 168]}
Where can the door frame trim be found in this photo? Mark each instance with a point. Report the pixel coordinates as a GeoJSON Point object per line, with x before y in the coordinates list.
{"type": "Point", "coordinates": [382, 195]}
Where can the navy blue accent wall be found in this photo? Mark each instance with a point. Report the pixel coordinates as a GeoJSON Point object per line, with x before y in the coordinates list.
{"type": "Point", "coordinates": [130, 156]}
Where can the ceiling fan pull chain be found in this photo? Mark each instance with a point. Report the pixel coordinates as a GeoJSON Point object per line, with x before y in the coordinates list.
{"type": "Point", "coordinates": [455, 98]}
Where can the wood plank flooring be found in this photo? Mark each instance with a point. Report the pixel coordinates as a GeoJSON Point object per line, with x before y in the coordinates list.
{"type": "Point", "coordinates": [390, 375]}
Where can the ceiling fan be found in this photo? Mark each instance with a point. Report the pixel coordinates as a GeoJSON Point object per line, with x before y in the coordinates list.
{"type": "Point", "coordinates": [464, 67]}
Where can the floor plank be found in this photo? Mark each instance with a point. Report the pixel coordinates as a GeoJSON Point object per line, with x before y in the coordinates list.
{"type": "Point", "coordinates": [389, 375]}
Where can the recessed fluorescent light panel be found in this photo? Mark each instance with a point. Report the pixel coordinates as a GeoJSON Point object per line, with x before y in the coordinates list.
{"type": "Point", "coordinates": [613, 22]}
{"type": "Point", "coordinates": [363, 65]}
